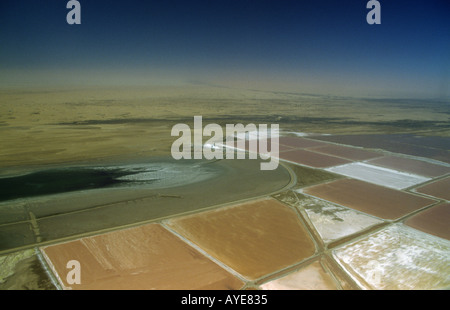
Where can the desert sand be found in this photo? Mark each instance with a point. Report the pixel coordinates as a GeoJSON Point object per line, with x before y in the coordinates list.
{"type": "Point", "coordinates": [67, 125]}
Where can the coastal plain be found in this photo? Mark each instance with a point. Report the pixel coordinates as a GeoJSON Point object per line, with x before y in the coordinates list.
{"type": "Point", "coordinates": [68, 125]}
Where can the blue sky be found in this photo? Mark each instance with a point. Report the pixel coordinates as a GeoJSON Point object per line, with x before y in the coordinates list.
{"type": "Point", "coordinates": [303, 46]}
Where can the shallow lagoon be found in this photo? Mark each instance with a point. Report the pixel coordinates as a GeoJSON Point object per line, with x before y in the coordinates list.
{"type": "Point", "coordinates": [152, 174]}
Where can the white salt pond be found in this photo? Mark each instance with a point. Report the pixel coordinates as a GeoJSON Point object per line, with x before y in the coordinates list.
{"type": "Point", "coordinates": [334, 222]}
{"type": "Point", "coordinates": [379, 175]}
{"type": "Point", "coordinates": [399, 258]}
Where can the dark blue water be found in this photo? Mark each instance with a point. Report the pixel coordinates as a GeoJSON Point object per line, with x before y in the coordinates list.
{"type": "Point", "coordinates": [153, 174]}
{"type": "Point", "coordinates": [59, 181]}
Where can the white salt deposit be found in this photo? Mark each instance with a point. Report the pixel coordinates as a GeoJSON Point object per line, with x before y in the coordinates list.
{"type": "Point", "coordinates": [379, 175]}
{"type": "Point", "coordinates": [397, 257]}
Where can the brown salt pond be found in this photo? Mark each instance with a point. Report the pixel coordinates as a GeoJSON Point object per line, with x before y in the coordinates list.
{"type": "Point", "coordinates": [145, 257]}
{"type": "Point", "coordinates": [422, 146]}
{"type": "Point", "coordinates": [312, 159]}
{"type": "Point", "coordinates": [434, 221]}
{"type": "Point", "coordinates": [350, 153]}
{"type": "Point", "coordinates": [254, 239]}
{"type": "Point", "coordinates": [296, 142]}
{"type": "Point", "coordinates": [411, 165]}
{"type": "Point", "coordinates": [439, 189]}
{"type": "Point", "coordinates": [369, 198]}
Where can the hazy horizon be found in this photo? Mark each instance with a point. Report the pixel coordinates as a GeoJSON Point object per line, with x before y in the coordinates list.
{"type": "Point", "coordinates": [294, 46]}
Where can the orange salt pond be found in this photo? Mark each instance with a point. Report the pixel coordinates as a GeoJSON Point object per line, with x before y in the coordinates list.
{"type": "Point", "coordinates": [254, 239]}
{"type": "Point", "coordinates": [312, 277]}
{"type": "Point", "coordinates": [145, 257]}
